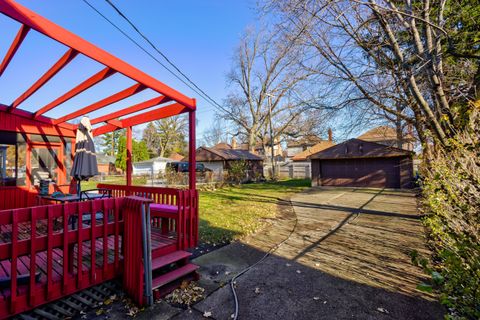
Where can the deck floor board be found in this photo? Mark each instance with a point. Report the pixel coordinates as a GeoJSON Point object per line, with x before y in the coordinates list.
{"type": "Point", "coordinates": [23, 263]}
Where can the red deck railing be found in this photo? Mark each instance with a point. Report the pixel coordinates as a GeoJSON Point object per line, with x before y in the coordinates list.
{"type": "Point", "coordinates": [46, 254]}
{"type": "Point", "coordinates": [184, 221]}
{"type": "Point", "coordinates": [17, 197]}
{"type": "Point", "coordinates": [50, 251]}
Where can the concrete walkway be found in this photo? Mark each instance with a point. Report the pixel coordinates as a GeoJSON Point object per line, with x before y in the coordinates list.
{"type": "Point", "coordinates": [347, 257]}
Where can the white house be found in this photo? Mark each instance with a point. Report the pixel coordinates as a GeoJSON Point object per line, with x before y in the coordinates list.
{"type": "Point", "coordinates": [151, 167]}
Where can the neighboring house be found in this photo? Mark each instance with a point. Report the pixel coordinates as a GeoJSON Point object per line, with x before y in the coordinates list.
{"type": "Point", "coordinates": [358, 163]}
{"type": "Point", "coordinates": [220, 157]}
{"type": "Point", "coordinates": [151, 167]}
{"type": "Point", "coordinates": [299, 166]}
{"type": "Point", "coordinates": [387, 135]}
{"type": "Point", "coordinates": [295, 147]}
{"type": "Point", "coordinates": [263, 151]}
{"type": "Point", "coordinates": [106, 164]}
{"type": "Point", "coordinates": [176, 157]}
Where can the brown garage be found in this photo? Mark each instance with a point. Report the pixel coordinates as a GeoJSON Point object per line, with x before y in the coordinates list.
{"type": "Point", "coordinates": [358, 163]}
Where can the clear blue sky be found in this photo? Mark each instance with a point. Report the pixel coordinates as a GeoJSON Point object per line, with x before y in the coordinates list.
{"type": "Point", "coordinates": [198, 36]}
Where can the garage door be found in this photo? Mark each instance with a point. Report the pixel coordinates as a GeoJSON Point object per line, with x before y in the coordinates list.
{"type": "Point", "coordinates": [375, 173]}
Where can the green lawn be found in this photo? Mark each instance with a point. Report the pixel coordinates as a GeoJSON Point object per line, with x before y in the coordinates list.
{"type": "Point", "coordinates": [233, 212]}
{"type": "Point", "coordinates": [137, 181]}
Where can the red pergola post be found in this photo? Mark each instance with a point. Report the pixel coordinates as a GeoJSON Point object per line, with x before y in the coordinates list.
{"type": "Point", "coordinates": [192, 166]}
{"type": "Point", "coordinates": [129, 156]}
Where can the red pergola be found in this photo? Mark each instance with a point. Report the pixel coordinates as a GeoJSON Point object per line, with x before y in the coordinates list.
{"type": "Point", "coordinates": [45, 258]}
{"type": "Point", "coordinates": [169, 101]}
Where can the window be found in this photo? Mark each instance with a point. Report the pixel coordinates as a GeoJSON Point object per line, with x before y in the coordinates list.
{"type": "Point", "coordinates": [67, 158]}
{"type": "Point", "coordinates": [43, 164]}
{"type": "Point", "coordinates": [12, 159]}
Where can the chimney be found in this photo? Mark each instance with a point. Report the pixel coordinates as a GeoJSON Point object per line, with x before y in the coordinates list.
{"type": "Point", "coordinates": [330, 138]}
{"type": "Point", "coordinates": [234, 143]}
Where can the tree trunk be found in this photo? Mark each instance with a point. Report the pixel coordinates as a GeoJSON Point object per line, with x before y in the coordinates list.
{"type": "Point", "coordinates": [113, 144]}
{"type": "Point", "coordinates": [252, 140]}
{"type": "Point", "coordinates": [398, 128]}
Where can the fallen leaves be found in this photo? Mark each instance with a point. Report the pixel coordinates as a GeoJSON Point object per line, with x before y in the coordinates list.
{"type": "Point", "coordinates": [131, 308]}
{"type": "Point", "coordinates": [187, 294]}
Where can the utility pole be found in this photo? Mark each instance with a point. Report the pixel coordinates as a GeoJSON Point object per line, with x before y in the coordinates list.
{"type": "Point", "coordinates": [272, 143]}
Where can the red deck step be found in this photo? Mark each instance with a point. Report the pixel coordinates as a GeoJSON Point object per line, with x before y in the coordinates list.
{"type": "Point", "coordinates": [165, 260]}
{"type": "Point", "coordinates": [173, 275]}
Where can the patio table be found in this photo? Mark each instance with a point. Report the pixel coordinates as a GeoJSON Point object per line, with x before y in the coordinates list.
{"type": "Point", "coordinates": [84, 195]}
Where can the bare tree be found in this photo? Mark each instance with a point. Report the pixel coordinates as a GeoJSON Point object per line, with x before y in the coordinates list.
{"type": "Point", "coordinates": [266, 66]}
{"type": "Point", "coordinates": [151, 138]}
{"type": "Point", "coordinates": [216, 133]}
{"type": "Point", "coordinates": [166, 136]}
{"type": "Point", "coordinates": [386, 56]}
{"type": "Point", "coordinates": [172, 132]}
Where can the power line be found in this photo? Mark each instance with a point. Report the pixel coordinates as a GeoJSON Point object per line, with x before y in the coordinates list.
{"type": "Point", "coordinates": [197, 91]}
{"type": "Point", "coordinates": [140, 46]}
{"type": "Point", "coordinates": [195, 87]}
{"type": "Point", "coordinates": [158, 50]}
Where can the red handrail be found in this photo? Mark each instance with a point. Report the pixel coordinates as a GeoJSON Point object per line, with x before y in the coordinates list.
{"type": "Point", "coordinates": [186, 222]}
{"type": "Point", "coordinates": [43, 238]}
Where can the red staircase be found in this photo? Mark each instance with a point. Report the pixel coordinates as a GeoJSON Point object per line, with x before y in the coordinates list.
{"type": "Point", "coordinates": [154, 262]}
{"type": "Point", "coordinates": [168, 271]}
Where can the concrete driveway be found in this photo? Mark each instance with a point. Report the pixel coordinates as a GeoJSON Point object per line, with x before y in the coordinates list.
{"type": "Point", "coordinates": [347, 257]}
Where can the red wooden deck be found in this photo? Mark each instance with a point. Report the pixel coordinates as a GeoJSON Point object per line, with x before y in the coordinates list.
{"type": "Point", "coordinates": [41, 249]}
{"type": "Point", "coordinates": [40, 239]}
{"type": "Point", "coordinates": [160, 242]}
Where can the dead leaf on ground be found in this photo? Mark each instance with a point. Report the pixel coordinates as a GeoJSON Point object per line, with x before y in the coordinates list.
{"type": "Point", "coordinates": [207, 314]}
{"type": "Point", "coordinates": [382, 310]}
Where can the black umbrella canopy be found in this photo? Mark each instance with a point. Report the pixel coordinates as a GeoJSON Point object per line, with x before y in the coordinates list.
{"type": "Point", "coordinates": [85, 160]}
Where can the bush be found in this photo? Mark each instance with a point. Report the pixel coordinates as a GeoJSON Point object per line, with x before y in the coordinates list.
{"type": "Point", "coordinates": [452, 196]}
{"type": "Point", "coordinates": [174, 178]}
{"type": "Point", "coordinates": [237, 171]}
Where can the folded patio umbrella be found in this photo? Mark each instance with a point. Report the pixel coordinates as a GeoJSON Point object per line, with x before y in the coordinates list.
{"type": "Point", "coordinates": [85, 160]}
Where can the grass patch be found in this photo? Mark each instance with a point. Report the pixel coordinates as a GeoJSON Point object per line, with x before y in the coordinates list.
{"type": "Point", "coordinates": [234, 212]}
{"type": "Point", "coordinates": [121, 180]}
{"type": "Point", "coordinates": [231, 212]}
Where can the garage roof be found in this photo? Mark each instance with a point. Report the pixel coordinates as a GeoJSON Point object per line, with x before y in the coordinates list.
{"type": "Point", "coordinates": [302, 156]}
{"type": "Point", "coordinates": [356, 148]}
{"type": "Point", "coordinates": [214, 154]}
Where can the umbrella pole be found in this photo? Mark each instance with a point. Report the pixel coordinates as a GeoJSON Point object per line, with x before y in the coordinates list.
{"type": "Point", "coordinates": [78, 188]}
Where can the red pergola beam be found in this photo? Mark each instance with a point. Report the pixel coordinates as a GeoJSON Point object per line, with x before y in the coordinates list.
{"type": "Point", "coordinates": [54, 31]}
{"type": "Point", "coordinates": [115, 122]}
{"type": "Point", "coordinates": [136, 88]}
{"type": "Point", "coordinates": [135, 108]}
{"type": "Point", "coordinates": [168, 111]}
{"type": "Point", "coordinates": [165, 112]}
{"type": "Point", "coordinates": [28, 116]}
{"type": "Point", "coordinates": [59, 65]}
{"type": "Point", "coordinates": [21, 34]}
{"type": "Point", "coordinates": [93, 80]}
